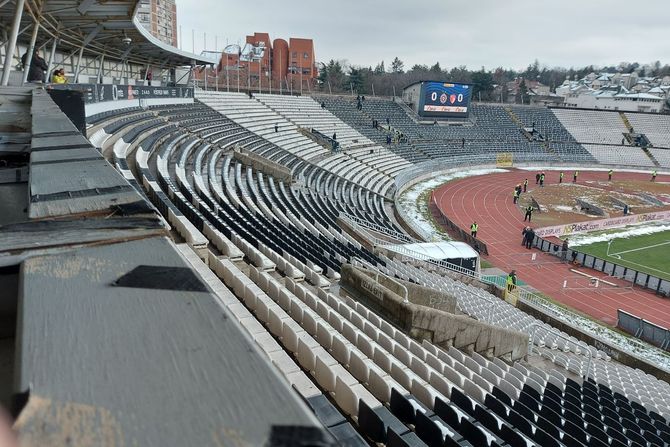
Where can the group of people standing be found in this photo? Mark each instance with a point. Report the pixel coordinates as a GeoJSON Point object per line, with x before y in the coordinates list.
{"type": "Point", "coordinates": [37, 69]}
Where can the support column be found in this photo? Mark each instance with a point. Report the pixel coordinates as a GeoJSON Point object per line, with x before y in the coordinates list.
{"type": "Point", "coordinates": [29, 52]}
{"type": "Point", "coordinates": [76, 70]}
{"type": "Point", "coordinates": [13, 35]}
{"type": "Point", "coordinates": [52, 55]}
{"type": "Point", "coordinates": [101, 71]}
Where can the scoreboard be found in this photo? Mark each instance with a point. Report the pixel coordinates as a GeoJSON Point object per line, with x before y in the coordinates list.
{"type": "Point", "coordinates": [445, 99]}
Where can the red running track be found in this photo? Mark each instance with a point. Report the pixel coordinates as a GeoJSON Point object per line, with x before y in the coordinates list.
{"type": "Point", "coordinates": [487, 199]}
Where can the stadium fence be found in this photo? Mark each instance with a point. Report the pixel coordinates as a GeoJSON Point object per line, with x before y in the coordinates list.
{"type": "Point", "coordinates": [659, 285]}
{"type": "Point", "coordinates": [643, 329]}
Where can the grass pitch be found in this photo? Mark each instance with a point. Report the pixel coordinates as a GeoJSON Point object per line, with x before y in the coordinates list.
{"type": "Point", "coordinates": [648, 253]}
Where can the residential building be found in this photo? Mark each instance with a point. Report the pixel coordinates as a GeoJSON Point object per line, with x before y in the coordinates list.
{"type": "Point", "coordinates": [160, 18]}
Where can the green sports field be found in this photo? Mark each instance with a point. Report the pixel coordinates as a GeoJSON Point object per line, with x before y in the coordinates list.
{"type": "Point", "coordinates": [649, 253]}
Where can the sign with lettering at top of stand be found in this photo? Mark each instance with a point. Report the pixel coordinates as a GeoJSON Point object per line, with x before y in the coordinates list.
{"type": "Point", "coordinates": [94, 93]}
{"type": "Point", "coordinates": [504, 160]}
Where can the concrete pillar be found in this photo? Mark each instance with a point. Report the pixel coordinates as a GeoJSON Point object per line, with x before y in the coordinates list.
{"type": "Point", "coordinates": [52, 55]}
{"type": "Point", "coordinates": [76, 70]}
{"type": "Point", "coordinates": [29, 52]}
{"type": "Point", "coordinates": [101, 71]}
{"type": "Point", "coordinates": [11, 46]}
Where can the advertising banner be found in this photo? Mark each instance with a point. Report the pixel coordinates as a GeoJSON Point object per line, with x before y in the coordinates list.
{"type": "Point", "coordinates": [601, 224]}
{"type": "Point", "coordinates": [94, 93]}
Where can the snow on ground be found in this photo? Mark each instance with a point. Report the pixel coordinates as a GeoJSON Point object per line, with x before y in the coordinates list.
{"type": "Point", "coordinates": [642, 228]}
{"type": "Point", "coordinates": [568, 209]}
{"type": "Point", "coordinates": [417, 211]}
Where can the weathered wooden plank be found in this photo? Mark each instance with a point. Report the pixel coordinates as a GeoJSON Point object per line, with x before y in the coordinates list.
{"type": "Point", "coordinates": [62, 233]}
{"type": "Point", "coordinates": [125, 366]}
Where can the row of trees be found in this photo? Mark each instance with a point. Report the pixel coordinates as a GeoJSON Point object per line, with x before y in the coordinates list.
{"type": "Point", "coordinates": [340, 77]}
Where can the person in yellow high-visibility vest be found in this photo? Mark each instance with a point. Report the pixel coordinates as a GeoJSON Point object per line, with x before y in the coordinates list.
{"type": "Point", "coordinates": [511, 281]}
{"type": "Point", "coordinates": [609, 175]}
{"type": "Point", "coordinates": [473, 229]}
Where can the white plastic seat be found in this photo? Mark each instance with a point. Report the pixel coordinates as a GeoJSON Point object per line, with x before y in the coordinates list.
{"type": "Point", "coordinates": [340, 350]}
{"type": "Point", "coordinates": [324, 334]}
{"type": "Point", "coordinates": [424, 393]}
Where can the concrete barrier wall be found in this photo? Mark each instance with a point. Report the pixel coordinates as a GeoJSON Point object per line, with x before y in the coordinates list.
{"type": "Point", "coordinates": [417, 294]}
{"type": "Point", "coordinates": [435, 325]}
{"type": "Point", "coordinates": [264, 165]}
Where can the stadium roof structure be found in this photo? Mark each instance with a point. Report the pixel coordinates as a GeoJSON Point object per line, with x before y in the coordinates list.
{"type": "Point", "coordinates": [99, 27]}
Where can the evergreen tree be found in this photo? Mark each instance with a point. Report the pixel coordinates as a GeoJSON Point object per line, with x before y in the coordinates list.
{"type": "Point", "coordinates": [397, 66]}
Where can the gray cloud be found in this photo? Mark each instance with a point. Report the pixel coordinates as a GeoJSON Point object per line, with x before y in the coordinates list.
{"type": "Point", "coordinates": [475, 33]}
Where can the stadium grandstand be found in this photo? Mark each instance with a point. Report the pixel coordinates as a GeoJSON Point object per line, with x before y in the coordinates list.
{"type": "Point", "coordinates": [186, 266]}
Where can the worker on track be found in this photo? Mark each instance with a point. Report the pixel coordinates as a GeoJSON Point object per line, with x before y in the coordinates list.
{"type": "Point", "coordinates": [473, 229]}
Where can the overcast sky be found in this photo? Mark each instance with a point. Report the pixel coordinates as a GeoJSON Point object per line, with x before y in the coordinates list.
{"type": "Point", "coordinates": [475, 33]}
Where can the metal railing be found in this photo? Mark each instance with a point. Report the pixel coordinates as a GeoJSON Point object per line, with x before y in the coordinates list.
{"type": "Point", "coordinates": [406, 251]}
{"type": "Point", "coordinates": [538, 325]}
{"type": "Point", "coordinates": [377, 228]}
{"type": "Point", "coordinates": [413, 173]}
{"type": "Point", "coordinates": [643, 329]}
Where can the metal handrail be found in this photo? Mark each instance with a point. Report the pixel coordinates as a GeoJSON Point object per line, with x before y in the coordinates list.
{"type": "Point", "coordinates": [375, 227]}
{"type": "Point", "coordinates": [377, 273]}
{"type": "Point", "coordinates": [537, 325]}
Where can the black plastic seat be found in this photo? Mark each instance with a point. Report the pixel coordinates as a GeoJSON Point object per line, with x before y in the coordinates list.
{"type": "Point", "coordinates": [428, 431]}
{"type": "Point", "coordinates": [375, 423]}
{"type": "Point", "coordinates": [404, 440]}
{"type": "Point", "coordinates": [653, 438]}
{"type": "Point", "coordinates": [345, 434]}
{"type": "Point", "coordinates": [630, 425]}
{"type": "Point", "coordinates": [495, 405]}
{"type": "Point", "coordinates": [532, 392]}
{"type": "Point", "coordinates": [325, 411]}
{"type": "Point", "coordinates": [591, 402]}
{"type": "Point", "coordinates": [544, 439]}
{"type": "Point", "coordinates": [447, 413]}
{"type": "Point", "coordinates": [520, 423]}
{"type": "Point", "coordinates": [635, 436]}
{"type": "Point", "coordinates": [595, 431]}
{"type": "Point", "coordinates": [487, 419]}
{"type": "Point", "coordinates": [549, 427]}
{"type": "Point", "coordinates": [462, 401]}
{"type": "Point", "coordinates": [553, 389]}
{"type": "Point", "coordinates": [639, 407]}
{"type": "Point", "coordinates": [612, 424]}
{"type": "Point", "coordinates": [610, 413]}
{"type": "Point", "coordinates": [575, 430]}
{"type": "Point", "coordinates": [592, 418]}
{"type": "Point", "coordinates": [502, 396]}
{"type": "Point", "coordinates": [524, 411]}
{"type": "Point", "coordinates": [568, 440]}
{"type": "Point", "coordinates": [529, 401]}
{"type": "Point", "coordinates": [401, 407]}
{"type": "Point", "coordinates": [551, 415]}
{"type": "Point", "coordinates": [646, 426]}
{"type": "Point", "coordinates": [473, 434]}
